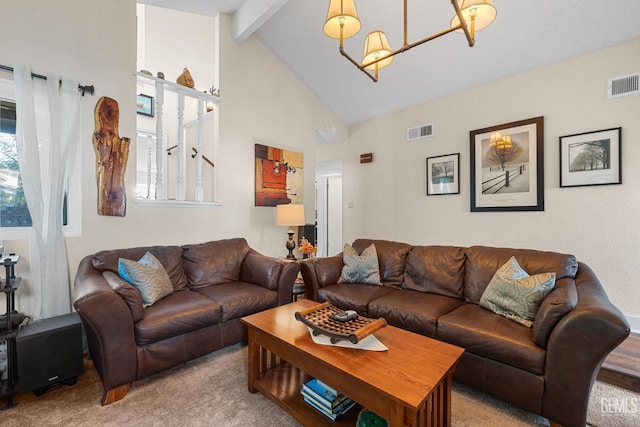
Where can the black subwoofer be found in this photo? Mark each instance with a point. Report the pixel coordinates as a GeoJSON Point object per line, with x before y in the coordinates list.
{"type": "Point", "coordinates": [49, 353]}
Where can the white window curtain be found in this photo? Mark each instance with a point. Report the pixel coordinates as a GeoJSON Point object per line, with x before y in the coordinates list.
{"type": "Point", "coordinates": [47, 137]}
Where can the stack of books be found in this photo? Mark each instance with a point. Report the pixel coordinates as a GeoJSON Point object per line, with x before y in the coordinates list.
{"type": "Point", "coordinates": [325, 399]}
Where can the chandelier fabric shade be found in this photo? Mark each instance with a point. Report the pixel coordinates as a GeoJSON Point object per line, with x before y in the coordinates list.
{"type": "Point", "coordinates": [342, 13]}
{"type": "Point", "coordinates": [343, 22]}
{"type": "Point", "coordinates": [376, 46]}
{"type": "Point", "coordinates": [477, 14]}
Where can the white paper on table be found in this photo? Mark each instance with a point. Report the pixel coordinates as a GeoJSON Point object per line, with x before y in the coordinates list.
{"type": "Point", "coordinates": [369, 342]}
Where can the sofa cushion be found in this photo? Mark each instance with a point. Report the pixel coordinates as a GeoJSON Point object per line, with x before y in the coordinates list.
{"type": "Point", "coordinates": [562, 299]}
{"type": "Point", "coordinates": [216, 262]}
{"type": "Point", "coordinates": [148, 277]}
{"type": "Point", "coordinates": [436, 269]}
{"type": "Point", "coordinates": [484, 333]}
{"type": "Point", "coordinates": [391, 259]}
{"type": "Point", "coordinates": [482, 263]}
{"type": "Point", "coordinates": [352, 296]}
{"type": "Point", "coordinates": [181, 312]}
{"type": "Point", "coordinates": [361, 268]}
{"type": "Point", "coordinates": [128, 293]}
{"type": "Point", "coordinates": [514, 294]}
{"type": "Point", "coordinates": [415, 311]}
{"type": "Point", "coordinates": [239, 299]}
{"type": "Point", "coordinates": [169, 256]}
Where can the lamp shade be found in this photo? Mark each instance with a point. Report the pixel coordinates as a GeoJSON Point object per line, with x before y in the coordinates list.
{"type": "Point", "coordinates": [290, 215]}
{"type": "Point", "coordinates": [342, 12]}
{"type": "Point", "coordinates": [376, 46]}
{"type": "Point", "coordinates": [483, 10]}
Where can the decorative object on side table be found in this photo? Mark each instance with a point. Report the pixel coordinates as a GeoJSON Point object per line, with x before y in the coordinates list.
{"type": "Point", "coordinates": [320, 319]}
{"type": "Point", "coordinates": [290, 215]}
{"type": "Point", "coordinates": [307, 248]}
{"type": "Point", "coordinates": [591, 158]}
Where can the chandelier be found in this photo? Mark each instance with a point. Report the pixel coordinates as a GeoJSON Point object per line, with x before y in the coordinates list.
{"type": "Point", "coordinates": [343, 22]}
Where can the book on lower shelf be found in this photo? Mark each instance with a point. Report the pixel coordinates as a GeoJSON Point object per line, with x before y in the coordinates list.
{"type": "Point", "coordinates": [325, 399]}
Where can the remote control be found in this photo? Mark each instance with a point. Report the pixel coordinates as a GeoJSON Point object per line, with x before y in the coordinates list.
{"type": "Point", "coordinates": [344, 316]}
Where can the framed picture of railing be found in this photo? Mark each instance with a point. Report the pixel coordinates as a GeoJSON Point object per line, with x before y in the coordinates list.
{"type": "Point", "coordinates": [591, 158]}
{"type": "Point", "coordinates": [507, 167]}
{"type": "Point", "coordinates": [443, 174]}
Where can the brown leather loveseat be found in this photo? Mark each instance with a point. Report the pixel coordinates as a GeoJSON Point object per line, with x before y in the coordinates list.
{"type": "Point", "coordinates": [214, 285]}
{"type": "Point", "coordinates": [547, 369]}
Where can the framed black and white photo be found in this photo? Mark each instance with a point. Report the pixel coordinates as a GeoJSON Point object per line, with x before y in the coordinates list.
{"type": "Point", "coordinates": [507, 167]}
{"type": "Point", "coordinates": [443, 174]}
{"type": "Point", "coordinates": [144, 105]}
{"type": "Point", "coordinates": [591, 158]}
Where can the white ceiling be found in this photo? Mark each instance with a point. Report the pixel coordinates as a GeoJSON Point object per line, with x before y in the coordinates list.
{"type": "Point", "coordinates": [524, 36]}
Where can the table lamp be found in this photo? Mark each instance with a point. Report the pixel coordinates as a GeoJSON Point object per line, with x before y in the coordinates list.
{"type": "Point", "coordinates": [290, 215]}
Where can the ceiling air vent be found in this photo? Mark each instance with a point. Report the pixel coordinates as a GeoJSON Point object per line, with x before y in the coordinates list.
{"type": "Point", "coordinates": [418, 132]}
{"type": "Point", "coordinates": [623, 86]}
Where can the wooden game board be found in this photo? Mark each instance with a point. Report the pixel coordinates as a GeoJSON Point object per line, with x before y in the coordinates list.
{"type": "Point", "coordinates": [319, 319]}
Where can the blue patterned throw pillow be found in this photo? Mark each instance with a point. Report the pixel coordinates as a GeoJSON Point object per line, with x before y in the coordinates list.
{"type": "Point", "coordinates": [514, 294]}
{"type": "Point", "coordinates": [148, 276]}
{"type": "Point", "coordinates": [361, 268]}
{"type": "Point", "coordinates": [147, 259]}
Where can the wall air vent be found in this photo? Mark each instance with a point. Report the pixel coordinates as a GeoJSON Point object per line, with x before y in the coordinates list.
{"type": "Point", "coordinates": [623, 86]}
{"type": "Point", "coordinates": [418, 132]}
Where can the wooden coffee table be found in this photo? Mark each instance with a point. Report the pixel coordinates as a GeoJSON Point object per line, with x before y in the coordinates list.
{"type": "Point", "coordinates": [410, 384]}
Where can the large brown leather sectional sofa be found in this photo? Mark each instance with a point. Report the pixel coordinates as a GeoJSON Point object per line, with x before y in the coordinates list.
{"type": "Point", "coordinates": [214, 285]}
{"type": "Point", "coordinates": [435, 291]}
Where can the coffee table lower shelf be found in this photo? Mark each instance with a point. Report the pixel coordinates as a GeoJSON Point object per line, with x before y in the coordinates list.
{"type": "Point", "coordinates": [282, 384]}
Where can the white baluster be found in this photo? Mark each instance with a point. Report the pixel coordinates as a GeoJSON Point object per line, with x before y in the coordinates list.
{"type": "Point", "coordinates": [181, 189]}
{"type": "Point", "coordinates": [149, 141]}
{"type": "Point", "coordinates": [199, 186]}
{"type": "Point", "coordinates": [159, 143]}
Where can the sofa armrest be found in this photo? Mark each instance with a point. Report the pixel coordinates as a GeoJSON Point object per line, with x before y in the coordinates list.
{"type": "Point", "coordinates": [320, 272]}
{"type": "Point", "coordinates": [577, 346]}
{"type": "Point", "coordinates": [108, 324]}
{"type": "Point", "coordinates": [271, 273]}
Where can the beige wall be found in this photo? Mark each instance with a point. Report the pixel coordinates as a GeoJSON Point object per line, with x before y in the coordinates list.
{"type": "Point", "coordinates": [95, 42]}
{"type": "Point", "coordinates": [598, 224]}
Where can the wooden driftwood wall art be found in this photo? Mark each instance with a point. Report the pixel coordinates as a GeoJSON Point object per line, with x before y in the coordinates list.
{"type": "Point", "coordinates": [112, 153]}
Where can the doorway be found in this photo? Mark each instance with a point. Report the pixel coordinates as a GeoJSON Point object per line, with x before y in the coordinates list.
{"type": "Point", "coordinates": [329, 207]}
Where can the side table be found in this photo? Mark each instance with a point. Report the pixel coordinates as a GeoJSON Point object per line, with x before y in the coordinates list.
{"type": "Point", "coordinates": [299, 290]}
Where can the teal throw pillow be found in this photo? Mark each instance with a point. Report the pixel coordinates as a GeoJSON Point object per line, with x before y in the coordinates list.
{"type": "Point", "coordinates": [361, 268]}
{"type": "Point", "coordinates": [147, 259]}
{"type": "Point", "coordinates": [148, 276]}
{"type": "Point", "coordinates": [514, 294]}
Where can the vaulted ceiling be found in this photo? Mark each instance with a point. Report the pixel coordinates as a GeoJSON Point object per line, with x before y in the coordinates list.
{"type": "Point", "coordinates": [524, 36]}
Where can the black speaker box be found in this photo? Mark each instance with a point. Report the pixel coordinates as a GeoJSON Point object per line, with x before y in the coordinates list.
{"type": "Point", "coordinates": [49, 353]}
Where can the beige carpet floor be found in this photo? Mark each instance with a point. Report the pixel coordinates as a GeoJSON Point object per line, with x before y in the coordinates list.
{"type": "Point", "coordinates": [212, 391]}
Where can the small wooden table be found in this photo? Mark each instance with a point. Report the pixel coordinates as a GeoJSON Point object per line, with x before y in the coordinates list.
{"type": "Point", "coordinates": [410, 384]}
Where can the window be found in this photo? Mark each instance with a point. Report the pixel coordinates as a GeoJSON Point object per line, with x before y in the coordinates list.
{"type": "Point", "coordinates": [15, 220]}
{"type": "Point", "coordinates": [13, 205]}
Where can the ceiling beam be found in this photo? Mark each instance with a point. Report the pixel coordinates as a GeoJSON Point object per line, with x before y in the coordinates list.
{"type": "Point", "coordinates": [251, 15]}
